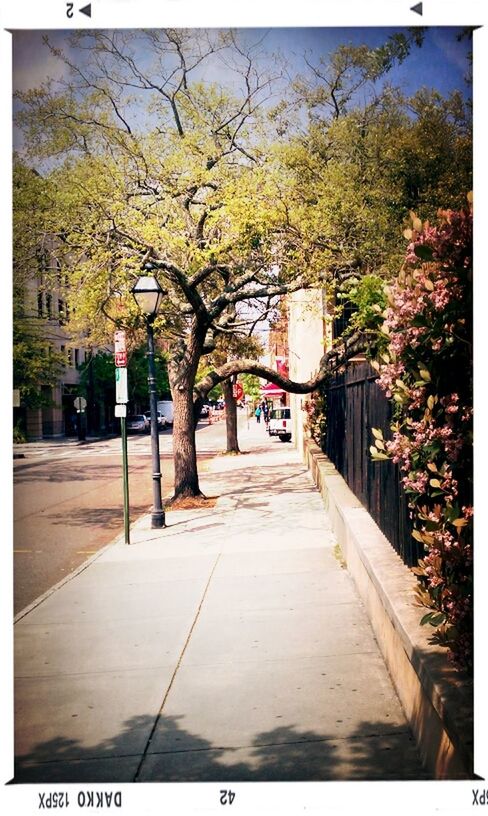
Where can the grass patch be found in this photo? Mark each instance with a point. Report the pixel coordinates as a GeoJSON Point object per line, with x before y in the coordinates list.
{"type": "Point", "coordinates": [339, 555]}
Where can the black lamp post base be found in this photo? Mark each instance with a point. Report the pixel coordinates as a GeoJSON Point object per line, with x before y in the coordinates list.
{"type": "Point", "coordinates": [157, 520]}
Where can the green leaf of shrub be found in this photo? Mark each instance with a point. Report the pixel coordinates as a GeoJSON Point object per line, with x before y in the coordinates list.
{"type": "Point", "coordinates": [378, 455]}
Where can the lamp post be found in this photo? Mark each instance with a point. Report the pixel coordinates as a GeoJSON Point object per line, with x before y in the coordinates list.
{"type": "Point", "coordinates": [148, 296]}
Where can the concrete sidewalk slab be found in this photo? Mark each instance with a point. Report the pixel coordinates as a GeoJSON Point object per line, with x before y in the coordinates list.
{"type": "Point", "coordinates": [281, 699]}
{"type": "Point", "coordinates": [258, 591]}
{"type": "Point", "coordinates": [85, 603]}
{"type": "Point", "coordinates": [75, 648]}
{"type": "Point", "coordinates": [287, 633]}
{"type": "Point", "coordinates": [230, 645]}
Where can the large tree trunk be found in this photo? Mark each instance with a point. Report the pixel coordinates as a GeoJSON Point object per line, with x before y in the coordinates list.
{"type": "Point", "coordinates": [184, 447]}
{"type": "Point", "coordinates": [230, 417]}
{"type": "Point", "coordinates": [182, 371]}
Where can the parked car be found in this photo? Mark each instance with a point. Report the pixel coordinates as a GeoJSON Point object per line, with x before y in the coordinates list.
{"type": "Point", "coordinates": [138, 424]}
{"type": "Point", "coordinates": [161, 420]}
{"type": "Point", "coordinates": [205, 410]}
{"type": "Point", "coordinates": [280, 423]}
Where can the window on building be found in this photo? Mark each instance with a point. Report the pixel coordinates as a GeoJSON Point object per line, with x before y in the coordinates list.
{"type": "Point", "coordinates": [48, 305]}
{"type": "Point", "coordinates": [40, 304]}
{"type": "Point", "coordinates": [77, 357]}
{"type": "Point", "coordinates": [69, 356]}
{"type": "Point", "coordinates": [63, 311]}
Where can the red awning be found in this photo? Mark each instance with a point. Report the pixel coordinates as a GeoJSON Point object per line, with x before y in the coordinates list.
{"type": "Point", "coordinates": [271, 390]}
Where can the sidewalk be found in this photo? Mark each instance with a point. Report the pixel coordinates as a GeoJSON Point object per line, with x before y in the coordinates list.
{"type": "Point", "coordinates": [230, 646]}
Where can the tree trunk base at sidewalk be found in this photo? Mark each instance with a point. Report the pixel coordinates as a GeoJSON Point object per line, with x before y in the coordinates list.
{"type": "Point", "coordinates": [191, 502]}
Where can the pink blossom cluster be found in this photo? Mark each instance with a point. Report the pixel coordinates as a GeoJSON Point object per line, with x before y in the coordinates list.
{"type": "Point", "coordinates": [402, 446]}
{"type": "Point", "coordinates": [447, 242]}
{"type": "Point", "coordinates": [417, 482]}
{"type": "Point", "coordinates": [431, 290]}
{"type": "Point", "coordinates": [450, 403]}
{"type": "Point", "coordinates": [389, 373]}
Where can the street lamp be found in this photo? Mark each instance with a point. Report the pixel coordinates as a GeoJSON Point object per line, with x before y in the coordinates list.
{"type": "Point", "coordinates": [148, 296]}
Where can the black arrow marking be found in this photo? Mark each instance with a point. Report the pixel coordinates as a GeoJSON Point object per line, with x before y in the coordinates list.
{"type": "Point", "coordinates": [417, 9]}
{"type": "Point", "coordinates": [86, 10]}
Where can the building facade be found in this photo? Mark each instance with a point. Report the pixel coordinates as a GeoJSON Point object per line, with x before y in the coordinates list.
{"type": "Point", "coordinates": [309, 337]}
{"type": "Point", "coordinates": [46, 310]}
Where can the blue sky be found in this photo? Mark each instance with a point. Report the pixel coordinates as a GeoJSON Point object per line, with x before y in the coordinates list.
{"type": "Point", "coordinates": [440, 63]}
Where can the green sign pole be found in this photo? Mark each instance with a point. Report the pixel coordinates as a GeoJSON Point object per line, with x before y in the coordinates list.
{"type": "Point", "coordinates": [121, 398]}
{"type": "Point", "coordinates": [125, 472]}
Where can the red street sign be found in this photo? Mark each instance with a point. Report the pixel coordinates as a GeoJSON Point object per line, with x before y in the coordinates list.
{"type": "Point", "coordinates": [121, 359]}
{"type": "Point", "coordinates": [237, 391]}
{"type": "Point", "coordinates": [119, 342]}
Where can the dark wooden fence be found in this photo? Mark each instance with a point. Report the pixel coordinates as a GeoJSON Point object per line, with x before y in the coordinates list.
{"type": "Point", "coordinates": [355, 404]}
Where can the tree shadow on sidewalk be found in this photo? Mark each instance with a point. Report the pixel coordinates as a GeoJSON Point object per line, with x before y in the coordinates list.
{"type": "Point", "coordinates": [282, 754]}
{"type": "Point", "coordinates": [272, 478]}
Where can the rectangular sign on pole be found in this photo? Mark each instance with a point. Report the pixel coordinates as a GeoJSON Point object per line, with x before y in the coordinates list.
{"type": "Point", "coordinates": [237, 391]}
{"type": "Point", "coordinates": [119, 341]}
{"type": "Point", "coordinates": [121, 385]}
{"type": "Point", "coordinates": [121, 359]}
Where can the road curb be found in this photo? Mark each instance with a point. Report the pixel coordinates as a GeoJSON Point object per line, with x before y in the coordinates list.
{"type": "Point", "coordinates": [25, 611]}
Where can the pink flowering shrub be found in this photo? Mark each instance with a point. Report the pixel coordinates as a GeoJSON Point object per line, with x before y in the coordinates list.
{"type": "Point", "coordinates": [425, 368]}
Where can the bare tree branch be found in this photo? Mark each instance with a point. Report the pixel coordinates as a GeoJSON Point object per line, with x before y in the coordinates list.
{"type": "Point", "coordinates": [329, 363]}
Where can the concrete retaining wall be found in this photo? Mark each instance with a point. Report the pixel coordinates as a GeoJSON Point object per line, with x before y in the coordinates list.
{"type": "Point", "coordinates": [437, 701]}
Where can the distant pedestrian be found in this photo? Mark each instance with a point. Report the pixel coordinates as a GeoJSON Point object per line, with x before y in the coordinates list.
{"type": "Point", "coordinates": [257, 414]}
{"type": "Point", "coordinates": [266, 415]}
